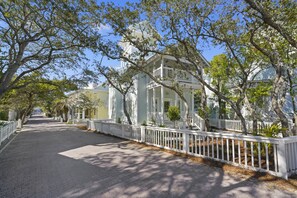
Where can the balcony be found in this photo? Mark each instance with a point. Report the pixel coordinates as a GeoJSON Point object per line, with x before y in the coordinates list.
{"type": "Point", "coordinates": [170, 74]}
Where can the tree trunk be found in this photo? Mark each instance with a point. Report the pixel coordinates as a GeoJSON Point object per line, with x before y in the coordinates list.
{"type": "Point", "coordinates": [255, 126]}
{"type": "Point", "coordinates": [243, 123]}
{"type": "Point", "coordinates": [125, 109]}
{"type": "Point", "coordinates": [292, 94]}
{"type": "Point", "coordinates": [186, 118]}
{"type": "Point", "coordinates": [279, 95]}
{"type": "Point", "coordinates": [237, 110]}
{"type": "Point", "coordinates": [204, 108]}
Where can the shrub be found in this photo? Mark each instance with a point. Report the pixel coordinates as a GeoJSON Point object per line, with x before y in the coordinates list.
{"type": "Point", "coordinates": [272, 131]}
{"type": "Point", "coordinates": [173, 114]}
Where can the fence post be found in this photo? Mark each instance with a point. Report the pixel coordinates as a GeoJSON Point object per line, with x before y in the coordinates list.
{"type": "Point", "coordinates": [282, 159]}
{"type": "Point", "coordinates": [142, 134]}
{"type": "Point", "coordinates": [202, 125]}
{"type": "Point", "coordinates": [101, 127]}
{"type": "Point", "coordinates": [122, 131]}
{"type": "Point", "coordinates": [219, 124]}
{"type": "Point", "coordinates": [19, 124]}
{"type": "Point", "coordinates": [185, 142]}
{"type": "Point", "coordinates": [1, 135]}
{"type": "Point", "coordinates": [109, 132]}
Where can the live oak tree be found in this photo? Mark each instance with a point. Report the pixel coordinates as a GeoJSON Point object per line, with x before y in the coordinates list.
{"type": "Point", "coordinates": [187, 26]}
{"type": "Point", "coordinates": [136, 60]}
{"type": "Point", "coordinates": [183, 29]}
{"type": "Point", "coordinates": [230, 29]}
{"type": "Point", "coordinates": [43, 35]}
{"type": "Point", "coordinates": [220, 73]}
{"type": "Point", "coordinates": [272, 30]}
{"type": "Point", "coordinates": [123, 82]}
{"type": "Point", "coordinates": [279, 15]}
{"type": "Point", "coordinates": [120, 80]}
{"type": "Point", "coordinates": [43, 92]}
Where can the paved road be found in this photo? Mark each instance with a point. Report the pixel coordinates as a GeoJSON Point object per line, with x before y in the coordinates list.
{"type": "Point", "coordinates": [50, 159]}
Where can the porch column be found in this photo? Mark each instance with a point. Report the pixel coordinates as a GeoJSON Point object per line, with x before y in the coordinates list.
{"type": "Point", "coordinates": [78, 113]}
{"type": "Point", "coordinates": [162, 104]}
{"type": "Point", "coordinates": [83, 113]}
{"type": "Point", "coordinates": [193, 113]}
{"type": "Point", "coordinates": [154, 104]}
{"type": "Point", "coordinates": [162, 66]}
{"type": "Point", "coordinates": [147, 104]}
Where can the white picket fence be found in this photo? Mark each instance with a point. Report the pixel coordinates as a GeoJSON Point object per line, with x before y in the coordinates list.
{"type": "Point", "coordinates": [235, 125]}
{"type": "Point", "coordinates": [277, 156]}
{"type": "Point", "coordinates": [7, 130]}
{"type": "Point", "coordinates": [126, 131]}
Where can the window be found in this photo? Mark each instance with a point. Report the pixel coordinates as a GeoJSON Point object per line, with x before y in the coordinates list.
{"type": "Point", "coordinates": [156, 105]}
{"type": "Point", "coordinates": [166, 106]}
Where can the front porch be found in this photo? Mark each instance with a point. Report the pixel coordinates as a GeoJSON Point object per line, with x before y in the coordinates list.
{"type": "Point", "coordinates": [160, 98]}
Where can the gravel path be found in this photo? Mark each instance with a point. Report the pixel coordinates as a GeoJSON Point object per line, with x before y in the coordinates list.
{"type": "Point", "coordinates": [51, 159]}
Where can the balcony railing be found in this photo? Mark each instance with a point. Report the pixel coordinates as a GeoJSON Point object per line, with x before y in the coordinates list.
{"type": "Point", "coordinates": [170, 74]}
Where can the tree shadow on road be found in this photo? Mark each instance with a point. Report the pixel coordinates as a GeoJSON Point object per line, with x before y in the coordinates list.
{"type": "Point", "coordinates": [61, 161]}
{"type": "Point", "coordinates": [137, 172]}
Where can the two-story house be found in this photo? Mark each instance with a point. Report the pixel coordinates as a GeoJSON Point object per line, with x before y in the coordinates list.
{"type": "Point", "coordinates": [148, 100]}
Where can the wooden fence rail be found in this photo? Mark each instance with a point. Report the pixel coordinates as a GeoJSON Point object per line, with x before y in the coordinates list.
{"type": "Point", "coordinates": [277, 156]}
{"type": "Point", "coordinates": [7, 130]}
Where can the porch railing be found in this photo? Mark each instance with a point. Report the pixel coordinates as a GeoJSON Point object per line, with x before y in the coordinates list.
{"type": "Point", "coordinates": [7, 129]}
{"type": "Point", "coordinates": [235, 125]}
{"type": "Point", "coordinates": [198, 121]}
{"type": "Point", "coordinates": [274, 155]}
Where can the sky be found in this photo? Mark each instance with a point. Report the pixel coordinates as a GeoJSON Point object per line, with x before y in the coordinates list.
{"type": "Point", "coordinates": [208, 52]}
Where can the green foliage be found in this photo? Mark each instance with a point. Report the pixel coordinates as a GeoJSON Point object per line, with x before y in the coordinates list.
{"type": "Point", "coordinates": [220, 70]}
{"type": "Point", "coordinates": [38, 91]}
{"type": "Point", "coordinates": [258, 93]}
{"type": "Point", "coordinates": [40, 35]}
{"type": "Point", "coordinates": [173, 113]}
{"type": "Point", "coordinates": [272, 131]}
{"type": "Point", "coordinates": [3, 115]}
{"type": "Point", "coordinates": [249, 39]}
{"type": "Point", "coordinates": [119, 121]}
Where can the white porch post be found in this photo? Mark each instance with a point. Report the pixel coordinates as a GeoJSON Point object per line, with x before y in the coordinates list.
{"type": "Point", "coordinates": [175, 99]}
{"type": "Point", "coordinates": [147, 103]}
{"type": "Point", "coordinates": [162, 93]}
{"type": "Point", "coordinates": [162, 66]}
{"type": "Point", "coordinates": [193, 113]}
{"type": "Point", "coordinates": [78, 113]}
{"type": "Point", "coordinates": [154, 104]}
{"type": "Point", "coordinates": [83, 113]}
{"type": "Point", "coordinates": [162, 105]}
